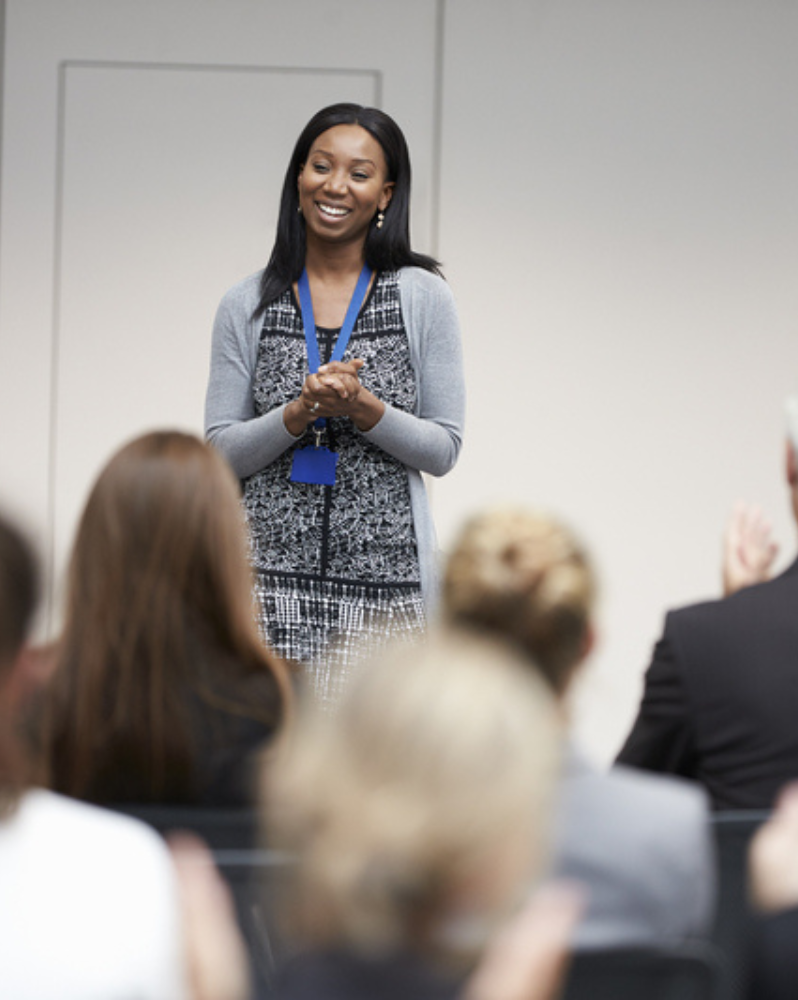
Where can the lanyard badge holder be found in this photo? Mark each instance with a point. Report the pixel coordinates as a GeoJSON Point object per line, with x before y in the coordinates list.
{"type": "Point", "coordinates": [316, 464]}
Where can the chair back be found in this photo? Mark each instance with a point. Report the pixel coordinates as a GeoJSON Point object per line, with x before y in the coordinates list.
{"type": "Point", "coordinates": [221, 829]}
{"type": "Point", "coordinates": [252, 873]}
{"type": "Point", "coordinates": [689, 972]}
{"type": "Point", "coordinates": [733, 924]}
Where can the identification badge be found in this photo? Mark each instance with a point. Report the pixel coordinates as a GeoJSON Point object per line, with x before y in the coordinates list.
{"type": "Point", "coordinates": [315, 466]}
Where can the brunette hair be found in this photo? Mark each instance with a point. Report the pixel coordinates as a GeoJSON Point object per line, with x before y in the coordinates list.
{"type": "Point", "coordinates": [159, 620]}
{"type": "Point", "coordinates": [19, 593]}
{"type": "Point", "coordinates": [440, 760]}
{"type": "Point", "coordinates": [523, 575]}
{"type": "Point", "coordinates": [386, 248]}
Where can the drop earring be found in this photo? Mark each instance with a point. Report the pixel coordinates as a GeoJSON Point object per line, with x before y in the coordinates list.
{"type": "Point", "coordinates": [380, 219]}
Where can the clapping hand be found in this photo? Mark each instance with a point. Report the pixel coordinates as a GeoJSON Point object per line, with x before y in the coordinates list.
{"type": "Point", "coordinates": [332, 390]}
{"type": "Point", "coordinates": [217, 966]}
{"type": "Point", "coordinates": [748, 549]}
{"type": "Point", "coordinates": [773, 856]}
{"type": "Point", "coordinates": [528, 959]}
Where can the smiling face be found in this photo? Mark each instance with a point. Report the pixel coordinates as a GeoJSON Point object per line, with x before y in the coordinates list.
{"type": "Point", "coordinates": [343, 184]}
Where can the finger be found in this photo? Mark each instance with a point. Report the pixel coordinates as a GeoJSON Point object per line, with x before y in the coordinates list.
{"type": "Point", "coordinates": [323, 394]}
{"type": "Point", "coordinates": [337, 384]}
{"type": "Point", "coordinates": [343, 367]}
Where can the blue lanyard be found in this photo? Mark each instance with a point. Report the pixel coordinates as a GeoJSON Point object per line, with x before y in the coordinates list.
{"type": "Point", "coordinates": [309, 321]}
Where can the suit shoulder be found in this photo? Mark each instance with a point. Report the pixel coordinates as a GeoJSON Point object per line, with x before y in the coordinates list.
{"type": "Point", "coordinates": [764, 597]}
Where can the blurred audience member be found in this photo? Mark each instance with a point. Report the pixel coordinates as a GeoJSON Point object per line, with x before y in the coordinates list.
{"type": "Point", "coordinates": [773, 876]}
{"type": "Point", "coordinates": [640, 844]}
{"type": "Point", "coordinates": [718, 702]}
{"type": "Point", "coordinates": [163, 691]}
{"type": "Point", "coordinates": [417, 812]}
{"type": "Point", "coordinates": [215, 953]}
{"type": "Point", "coordinates": [89, 905]}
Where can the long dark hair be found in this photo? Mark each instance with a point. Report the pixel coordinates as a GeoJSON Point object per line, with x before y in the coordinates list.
{"type": "Point", "coordinates": [387, 248]}
{"type": "Point", "coordinates": [19, 591]}
{"type": "Point", "coordinates": [158, 619]}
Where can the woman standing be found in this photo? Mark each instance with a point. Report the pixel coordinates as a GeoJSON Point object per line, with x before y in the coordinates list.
{"type": "Point", "coordinates": [336, 380]}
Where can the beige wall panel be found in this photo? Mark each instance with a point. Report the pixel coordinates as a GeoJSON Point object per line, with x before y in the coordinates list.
{"type": "Point", "coordinates": [619, 216]}
{"type": "Point", "coordinates": [160, 167]}
{"type": "Point", "coordinates": [143, 155]}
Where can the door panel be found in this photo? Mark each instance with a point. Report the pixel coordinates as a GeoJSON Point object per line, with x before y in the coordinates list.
{"type": "Point", "coordinates": [144, 149]}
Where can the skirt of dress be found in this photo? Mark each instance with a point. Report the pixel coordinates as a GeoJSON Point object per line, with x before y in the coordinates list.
{"type": "Point", "coordinates": [330, 627]}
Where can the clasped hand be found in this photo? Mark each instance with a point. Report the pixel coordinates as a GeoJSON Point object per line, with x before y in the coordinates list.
{"type": "Point", "coordinates": [332, 390]}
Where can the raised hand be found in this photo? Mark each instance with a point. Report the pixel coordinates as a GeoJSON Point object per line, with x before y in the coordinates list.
{"type": "Point", "coordinates": [748, 549]}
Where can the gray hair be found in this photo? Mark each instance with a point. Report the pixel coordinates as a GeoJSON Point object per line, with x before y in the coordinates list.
{"type": "Point", "coordinates": [791, 410]}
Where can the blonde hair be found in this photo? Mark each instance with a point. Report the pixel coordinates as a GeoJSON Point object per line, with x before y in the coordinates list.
{"type": "Point", "coordinates": [522, 575]}
{"type": "Point", "coordinates": [438, 757]}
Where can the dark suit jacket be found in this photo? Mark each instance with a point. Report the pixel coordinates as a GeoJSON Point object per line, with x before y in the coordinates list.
{"type": "Point", "coordinates": [720, 703]}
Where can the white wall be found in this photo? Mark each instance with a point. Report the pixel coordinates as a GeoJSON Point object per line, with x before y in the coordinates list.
{"type": "Point", "coordinates": [140, 142]}
{"type": "Point", "coordinates": [618, 217]}
{"type": "Point", "coordinates": [620, 221]}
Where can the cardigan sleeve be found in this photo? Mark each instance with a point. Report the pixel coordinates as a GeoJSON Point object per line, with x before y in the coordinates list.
{"type": "Point", "coordinates": [430, 439]}
{"type": "Point", "coordinates": [247, 441]}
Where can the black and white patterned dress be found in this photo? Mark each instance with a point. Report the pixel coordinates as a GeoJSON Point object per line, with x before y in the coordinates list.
{"type": "Point", "coordinates": [337, 566]}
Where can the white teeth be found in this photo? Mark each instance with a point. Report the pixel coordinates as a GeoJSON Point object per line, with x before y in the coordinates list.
{"type": "Point", "coordinates": [330, 210]}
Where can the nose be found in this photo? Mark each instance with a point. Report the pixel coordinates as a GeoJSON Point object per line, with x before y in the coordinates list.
{"type": "Point", "coordinates": [336, 182]}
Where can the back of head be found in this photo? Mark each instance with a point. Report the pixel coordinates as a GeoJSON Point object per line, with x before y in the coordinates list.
{"type": "Point", "coordinates": [159, 612]}
{"type": "Point", "coordinates": [407, 804]}
{"type": "Point", "coordinates": [161, 535]}
{"type": "Point", "coordinates": [19, 587]}
{"type": "Point", "coordinates": [520, 574]}
{"type": "Point", "coordinates": [791, 409]}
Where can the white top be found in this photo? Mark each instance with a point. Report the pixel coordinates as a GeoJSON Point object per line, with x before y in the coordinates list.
{"type": "Point", "coordinates": [88, 907]}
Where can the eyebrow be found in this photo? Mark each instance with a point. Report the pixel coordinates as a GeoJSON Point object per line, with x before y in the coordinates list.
{"type": "Point", "coordinates": [361, 159]}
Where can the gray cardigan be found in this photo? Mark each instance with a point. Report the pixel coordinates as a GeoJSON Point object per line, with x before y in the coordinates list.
{"type": "Point", "coordinates": [425, 441]}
